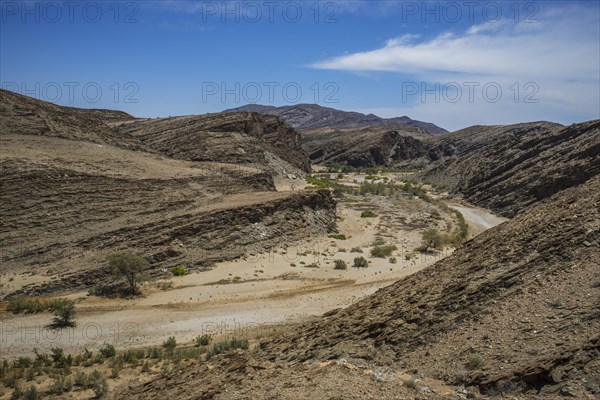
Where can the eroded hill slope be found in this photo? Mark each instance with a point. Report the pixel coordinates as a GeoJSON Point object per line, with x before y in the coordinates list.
{"type": "Point", "coordinates": [75, 190]}
{"type": "Point", "coordinates": [521, 169]}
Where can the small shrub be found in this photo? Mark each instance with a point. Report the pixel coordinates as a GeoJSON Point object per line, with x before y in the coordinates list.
{"type": "Point", "coordinates": [368, 214]}
{"type": "Point", "coordinates": [10, 380]}
{"type": "Point", "coordinates": [203, 340]}
{"type": "Point", "coordinates": [146, 367]}
{"type": "Point", "coordinates": [312, 265]}
{"type": "Point", "coordinates": [356, 250]}
{"type": "Point", "coordinates": [100, 388]}
{"type": "Point", "coordinates": [393, 260]}
{"type": "Point", "coordinates": [27, 305]}
{"type": "Point", "coordinates": [227, 345]}
{"type": "Point", "coordinates": [22, 362]}
{"type": "Point", "coordinates": [383, 251]}
{"type": "Point", "coordinates": [556, 303]}
{"type": "Point", "coordinates": [360, 262]}
{"type": "Point", "coordinates": [60, 385]}
{"type": "Point", "coordinates": [475, 361]}
{"type": "Point", "coordinates": [340, 264]}
{"type": "Point", "coordinates": [178, 271]}
{"type": "Point", "coordinates": [411, 383]}
{"type": "Point", "coordinates": [316, 182]}
{"type": "Point", "coordinates": [170, 344]}
{"type": "Point", "coordinates": [32, 393]}
{"type": "Point", "coordinates": [108, 350]}
{"type": "Point", "coordinates": [114, 372]}
{"type": "Point", "coordinates": [81, 379]}
{"type": "Point", "coordinates": [338, 236]}
{"type": "Point", "coordinates": [106, 289]}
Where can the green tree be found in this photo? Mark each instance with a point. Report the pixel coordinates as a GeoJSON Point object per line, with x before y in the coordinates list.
{"type": "Point", "coordinates": [130, 266]}
{"type": "Point", "coordinates": [432, 239]}
{"type": "Point", "coordinates": [64, 313]}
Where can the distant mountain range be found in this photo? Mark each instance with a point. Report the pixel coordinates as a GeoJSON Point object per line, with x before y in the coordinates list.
{"type": "Point", "coordinates": [310, 116]}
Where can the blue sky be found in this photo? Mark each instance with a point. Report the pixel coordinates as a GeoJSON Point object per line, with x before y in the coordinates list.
{"type": "Point", "coordinates": [452, 63]}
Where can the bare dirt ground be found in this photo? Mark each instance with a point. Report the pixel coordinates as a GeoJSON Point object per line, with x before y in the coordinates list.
{"type": "Point", "coordinates": [250, 296]}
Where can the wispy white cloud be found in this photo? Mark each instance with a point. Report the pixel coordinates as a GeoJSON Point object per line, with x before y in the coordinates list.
{"type": "Point", "coordinates": [560, 54]}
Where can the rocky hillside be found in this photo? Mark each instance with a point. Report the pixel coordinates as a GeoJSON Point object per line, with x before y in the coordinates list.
{"type": "Point", "coordinates": [465, 141]}
{"type": "Point", "coordinates": [515, 313]}
{"type": "Point", "coordinates": [240, 138]}
{"type": "Point", "coordinates": [26, 115]}
{"type": "Point", "coordinates": [520, 167]}
{"type": "Point", "coordinates": [311, 116]}
{"type": "Point", "coordinates": [76, 190]}
{"type": "Point", "coordinates": [366, 147]}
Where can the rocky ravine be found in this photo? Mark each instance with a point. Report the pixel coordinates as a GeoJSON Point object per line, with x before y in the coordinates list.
{"type": "Point", "coordinates": [515, 313]}
{"type": "Point", "coordinates": [367, 147]}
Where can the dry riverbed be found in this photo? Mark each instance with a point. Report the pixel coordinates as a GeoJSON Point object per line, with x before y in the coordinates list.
{"type": "Point", "coordinates": [251, 297]}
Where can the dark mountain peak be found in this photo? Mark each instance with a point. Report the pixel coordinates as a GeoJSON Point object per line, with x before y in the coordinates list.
{"type": "Point", "coordinates": [310, 116]}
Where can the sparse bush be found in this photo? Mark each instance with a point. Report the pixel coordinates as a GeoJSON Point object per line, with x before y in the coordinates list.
{"type": "Point", "coordinates": [356, 250]}
{"type": "Point", "coordinates": [22, 362]}
{"type": "Point", "coordinates": [316, 182]}
{"type": "Point", "coordinates": [360, 262]}
{"type": "Point", "coordinates": [146, 367]}
{"type": "Point", "coordinates": [32, 393]}
{"type": "Point", "coordinates": [178, 271]}
{"type": "Point", "coordinates": [60, 385]}
{"type": "Point", "coordinates": [383, 251]}
{"type": "Point", "coordinates": [100, 388]}
{"type": "Point", "coordinates": [17, 393]}
{"type": "Point", "coordinates": [411, 383]}
{"type": "Point", "coordinates": [340, 264]}
{"type": "Point", "coordinates": [227, 345]}
{"type": "Point", "coordinates": [170, 344]}
{"type": "Point", "coordinates": [475, 361]}
{"type": "Point", "coordinates": [368, 214]}
{"type": "Point", "coordinates": [312, 265]}
{"type": "Point", "coordinates": [106, 289]}
{"type": "Point", "coordinates": [393, 260]}
{"type": "Point", "coordinates": [203, 340]}
{"type": "Point", "coordinates": [107, 350]}
{"type": "Point", "coordinates": [556, 303]}
{"type": "Point", "coordinates": [27, 305]}
{"type": "Point", "coordinates": [338, 236]}
{"type": "Point", "coordinates": [81, 379]}
{"type": "Point", "coordinates": [114, 372]}
{"type": "Point", "coordinates": [64, 313]}
{"type": "Point", "coordinates": [378, 242]}
{"type": "Point", "coordinates": [130, 266]}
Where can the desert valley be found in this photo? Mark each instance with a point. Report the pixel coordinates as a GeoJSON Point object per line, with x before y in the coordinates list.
{"type": "Point", "coordinates": [286, 252]}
